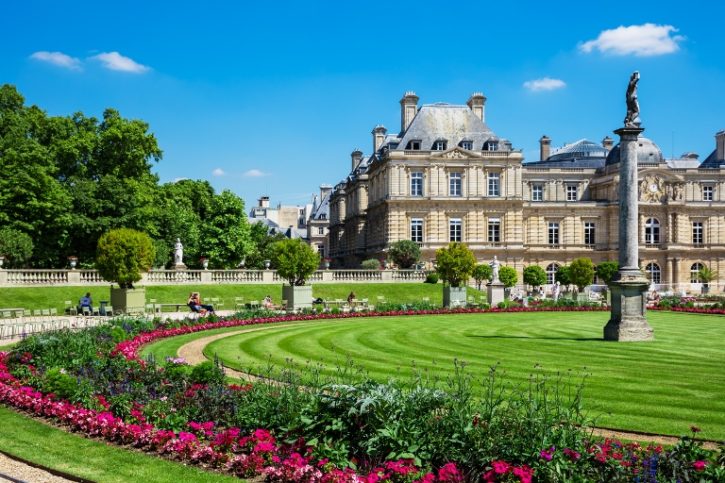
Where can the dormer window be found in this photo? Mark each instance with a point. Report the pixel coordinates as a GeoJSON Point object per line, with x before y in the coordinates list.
{"type": "Point", "coordinates": [490, 145]}
{"type": "Point", "coordinates": [413, 145]}
{"type": "Point", "coordinates": [466, 145]}
{"type": "Point", "coordinates": [440, 145]}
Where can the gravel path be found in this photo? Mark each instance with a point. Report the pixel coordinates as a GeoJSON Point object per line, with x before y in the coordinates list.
{"type": "Point", "coordinates": [193, 353]}
{"type": "Point", "coordinates": [23, 472]}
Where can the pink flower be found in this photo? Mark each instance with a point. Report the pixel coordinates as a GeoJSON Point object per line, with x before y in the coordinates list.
{"type": "Point", "coordinates": [547, 454]}
{"type": "Point", "coordinates": [449, 473]}
{"type": "Point", "coordinates": [699, 465]}
{"type": "Point", "coordinates": [500, 467]}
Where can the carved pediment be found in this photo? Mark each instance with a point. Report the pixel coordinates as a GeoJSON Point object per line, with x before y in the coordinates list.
{"type": "Point", "coordinates": [455, 153]}
{"type": "Point", "coordinates": [654, 188]}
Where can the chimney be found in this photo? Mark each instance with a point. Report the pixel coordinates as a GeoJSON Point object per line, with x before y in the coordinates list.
{"type": "Point", "coordinates": [608, 143]}
{"type": "Point", "coordinates": [378, 137]}
{"type": "Point", "coordinates": [544, 147]}
{"type": "Point", "coordinates": [325, 190]}
{"type": "Point", "coordinates": [356, 157]}
{"type": "Point", "coordinates": [477, 103]}
{"type": "Point", "coordinates": [408, 109]}
{"type": "Point", "coordinates": [264, 202]}
{"type": "Point", "coordinates": [720, 145]}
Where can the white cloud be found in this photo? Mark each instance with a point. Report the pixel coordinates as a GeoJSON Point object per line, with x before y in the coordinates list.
{"type": "Point", "coordinates": [641, 40]}
{"type": "Point", "coordinates": [116, 61]}
{"type": "Point", "coordinates": [57, 58]}
{"type": "Point", "coordinates": [254, 173]}
{"type": "Point", "coordinates": [544, 84]}
{"type": "Point", "coordinates": [218, 172]}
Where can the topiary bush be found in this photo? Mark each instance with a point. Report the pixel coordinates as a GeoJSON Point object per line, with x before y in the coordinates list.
{"type": "Point", "coordinates": [455, 264]}
{"type": "Point", "coordinates": [16, 246]}
{"type": "Point", "coordinates": [581, 273]}
{"type": "Point", "coordinates": [370, 264]}
{"type": "Point", "coordinates": [481, 272]}
{"type": "Point", "coordinates": [404, 253]}
{"type": "Point", "coordinates": [123, 254]}
{"type": "Point", "coordinates": [607, 270]}
{"type": "Point", "coordinates": [508, 276]}
{"type": "Point", "coordinates": [431, 278]}
{"type": "Point", "coordinates": [534, 275]}
{"type": "Point", "coordinates": [294, 260]}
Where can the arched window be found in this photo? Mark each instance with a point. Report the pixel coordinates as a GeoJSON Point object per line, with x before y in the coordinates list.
{"type": "Point", "coordinates": [695, 272]}
{"type": "Point", "coordinates": [652, 231]}
{"type": "Point", "coordinates": [653, 272]}
{"type": "Point", "coordinates": [551, 270]}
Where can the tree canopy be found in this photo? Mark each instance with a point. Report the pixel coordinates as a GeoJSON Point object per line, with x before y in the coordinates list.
{"type": "Point", "coordinates": [123, 254]}
{"type": "Point", "coordinates": [534, 275]}
{"type": "Point", "coordinates": [581, 272]}
{"type": "Point", "coordinates": [508, 276]}
{"type": "Point", "coordinates": [295, 260]}
{"type": "Point", "coordinates": [405, 253]}
{"type": "Point", "coordinates": [455, 264]}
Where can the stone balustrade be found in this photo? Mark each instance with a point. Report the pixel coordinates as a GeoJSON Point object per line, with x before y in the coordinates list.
{"type": "Point", "coordinates": [47, 278]}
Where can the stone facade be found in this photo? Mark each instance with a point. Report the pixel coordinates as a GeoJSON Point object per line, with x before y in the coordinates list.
{"type": "Point", "coordinates": [446, 176]}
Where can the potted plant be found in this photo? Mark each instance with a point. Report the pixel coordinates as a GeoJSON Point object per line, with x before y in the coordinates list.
{"type": "Point", "coordinates": [121, 256]}
{"type": "Point", "coordinates": [326, 263]}
{"type": "Point", "coordinates": [706, 275]}
{"type": "Point", "coordinates": [508, 277]}
{"type": "Point", "coordinates": [455, 265]}
{"type": "Point", "coordinates": [204, 262]}
{"type": "Point", "coordinates": [295, 261]}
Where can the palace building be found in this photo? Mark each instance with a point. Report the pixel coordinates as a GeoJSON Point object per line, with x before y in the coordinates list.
{"type": "Point", "coordinates": [446, 176]}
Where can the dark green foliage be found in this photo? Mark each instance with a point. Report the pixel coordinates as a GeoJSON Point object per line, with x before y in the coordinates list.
{"type": "Point", "coordinates": [581, 272]}
{"type": "Point", "coordinates": [607, 270]}
{"type": "Point", "coordinates": [534, 275]}
{"type": "Point", "coordinates": [16, 246]}
{"type": "Point", "coordinates": [207, 373]}
{"type": "Point", "coordinates": [123, 254]}
{"type": "Point", "coordinates": [562, 276]}
{"type": "Point", "coordinates": [295, 260]}
{"type": "Point", "coordinates": [481, 272]}
{"type": "Point", "coordinates": [404, 253]}
{"type": "Point", "coordinates": [57, 381]}
{"type": "Point", "coordinates": [370, 264]}
{"type": "Point", "coordinates": [508, 276]}
{"type": "Point", "coordinates": [455, 264]}
{"type": "Point", "coordinates": [431, 278]}
{"type": "Point", "coordinates": [261, 245]}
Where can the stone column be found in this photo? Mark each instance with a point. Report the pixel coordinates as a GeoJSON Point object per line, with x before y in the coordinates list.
{"type": "Point", "coordinates": [628, 322]}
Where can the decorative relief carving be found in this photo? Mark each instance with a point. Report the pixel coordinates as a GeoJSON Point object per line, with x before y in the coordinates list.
{"type": "Point", "coordinates": [653, 189]}
{"type": "Point", "coordinates": [455, 154]}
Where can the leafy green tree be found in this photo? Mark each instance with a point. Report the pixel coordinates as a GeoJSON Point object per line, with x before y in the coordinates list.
{"type": "Point", "coordinates": [261, 245]}
{"type": "Point", "coordinates": [455, 264]}
{"type": "Point", "coordinates": [404, 253]}
{"type": "Point", "coordinates": [16, 246]}
{"type": "Point", "coordinates": [370, 264]}
{"type": "Point", "coordinates": [295, 260]}
{"type": "Point", "coordinates": [225, 233]}
{"type": "Point", "coordinates": [534, 275]}
{"type": "Point", "coordinates": [123, 254]}
{"type": "Point", "coordinates": [607, 270]}
{"type": "Point", "coordinates": [581, 273]}
{"type": "Point", "coordinates": [481, 272]}
{"type": "Point", "coordinates": [508, 276]}
{"type": "Point", "coordinates": [562, 276]}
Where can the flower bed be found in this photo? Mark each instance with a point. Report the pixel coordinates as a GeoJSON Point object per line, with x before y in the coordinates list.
{"type": "Point", "coordinates": [123, 399]}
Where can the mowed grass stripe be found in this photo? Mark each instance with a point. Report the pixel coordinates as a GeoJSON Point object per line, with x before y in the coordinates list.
{"type": "Point", "coordinates": [660, 386]}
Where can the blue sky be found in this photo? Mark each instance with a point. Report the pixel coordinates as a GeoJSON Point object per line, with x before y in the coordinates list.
{"type": "Point", "coordinates": [271, 97]}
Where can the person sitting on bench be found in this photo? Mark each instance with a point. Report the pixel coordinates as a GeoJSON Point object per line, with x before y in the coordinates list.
{"type": "Point", "coordinates": [195, 304]}
{"type": "Point", "coordinates": [85, 301]}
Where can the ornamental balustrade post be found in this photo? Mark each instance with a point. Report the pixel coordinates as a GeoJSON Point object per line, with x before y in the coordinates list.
{"type": "Point", "coordinates": [74, 277]}
{"type": "Point", "coordinates": [205, 276]}
{"type": "Point", "coordinates": [386, 276]}
{"type": "Point", "coordinates": [268, 276]}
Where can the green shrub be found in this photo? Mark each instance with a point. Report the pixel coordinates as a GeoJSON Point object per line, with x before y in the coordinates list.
{"type": "Point", "coordinates": [123, 254]}
{"type": "Point", "coordinates": [207, 373]}
{"type": "Point", "coordinates": [581, 273]}
{"type": "Point", "coordinates": [508, 276]}
{"type": "Point", "coordinates": [57, 381]}
{"type": "Point", "coordinates": [16, 246]}
{"type": "Point", "coordinates": [607, 270]}
{"type": "Point", "coordinates": [534, 275]}
{"type": "Point", "coordinates": [431, 278]}
{"type": "Point", "coordinates": [294, 260]}
{"type": "Point", "coordinates": [370, 264]}
{"type": "Point", "coordinates": [481, 272]}
{"type": "Point", "coordinates": [404, 253]}
{"type": "Point", "coordinates": [455, 264]}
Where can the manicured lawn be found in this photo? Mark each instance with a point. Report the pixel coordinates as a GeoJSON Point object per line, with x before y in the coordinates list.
{"type": "Point", "coordinates": [37, 442]}
{"type": "Point", "coordinates": [54, 297]}
{"type": "Point", "coordinates": [662, 386]}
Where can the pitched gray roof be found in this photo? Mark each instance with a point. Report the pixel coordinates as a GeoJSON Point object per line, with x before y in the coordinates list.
{"type": "Point", "coordinates": [453, 123]}
{"type": "Point", "coordinates": [712, 162]}
{"type": "Point", "coordinates": [321, 209]}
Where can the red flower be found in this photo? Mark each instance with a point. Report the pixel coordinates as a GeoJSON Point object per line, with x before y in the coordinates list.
{"type": "Point", "coordinates": [699, 465]}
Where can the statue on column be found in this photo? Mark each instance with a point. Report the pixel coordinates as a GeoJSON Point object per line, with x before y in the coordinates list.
{"type": "Point", "coordinates": [178, 252]}
{"type": "Point", "coordinates": [494, 269]}
{"type": "Point", "coordinates": [632, 118]}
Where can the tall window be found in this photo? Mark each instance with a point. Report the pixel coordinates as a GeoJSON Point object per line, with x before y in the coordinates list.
{"type": "Point", "coordinates": [537, 193]}
{"type": "Point", "coordinates": [554, 234]}
{"type": "Point", "coordinates": [454, 182]}
{"type": "Point", "coordinates": [571, 192]}
{"type": "Point", "coordinates": [695, 272]}
{"type": "Point", "coordinates": [321, 249]}
{"type": "Point", "coordinates": [440, 145]}
{"type": "Point", "coordinates": [416, 230]}
{"type": "Point", "coordinates": [652, 232]}
{"type": "Point", "coordinates": [466, 145]}
{"type": "Point", "coordinates": [551, 270]}
{"type": "Point", "coordinates": [697, 233]}
{"type": "Point", "coordinates": [320, 230]}
{"type": "Point", "coordinates": [454, 228]}
{"type": "Point", "coordinates": [708, 193]}
{"type": "Point", "coordinates": [494, 184]}
{"type": "Point", "coordinates": [589, 233]}
{"type": "Point", "coordinates": [413, 145]}
{"type": "Point", "coordinates": [416, 184]}
{"type": "Point", "coordinates": [653, 272]}
{"type": "Point", "coordinates": [494, 230]}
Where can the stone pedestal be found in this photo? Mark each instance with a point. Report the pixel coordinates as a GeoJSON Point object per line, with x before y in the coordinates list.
{"type": "Point", "coordinates": [496, 293]}
{"type": "Point", "coordinates": [180, 266]}
{"type": "Point", "coordinates": [628, 322]}
{"type": "Point", "coordinates": [454, 297]}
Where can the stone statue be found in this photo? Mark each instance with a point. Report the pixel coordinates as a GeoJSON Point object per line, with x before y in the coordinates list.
{"type": "Point", "coordinates": [178, 252]}
{"type": "Point", "coordinates": [632, 118]}
{"type": "Point", "coordinates": [494, 269]}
